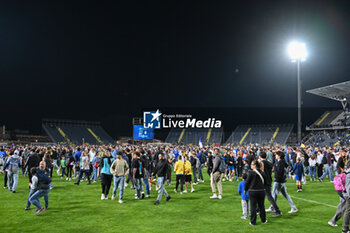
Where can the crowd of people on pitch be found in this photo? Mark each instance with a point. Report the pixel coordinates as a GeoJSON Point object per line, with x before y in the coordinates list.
{"type": "Point", "coordinates": [147, 166]}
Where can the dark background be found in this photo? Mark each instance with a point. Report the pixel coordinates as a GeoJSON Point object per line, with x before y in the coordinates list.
{"type": "Point", "coordinates": [110, 60]}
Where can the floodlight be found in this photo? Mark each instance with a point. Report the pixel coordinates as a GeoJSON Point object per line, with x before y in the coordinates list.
{"type": "Point", "coordinates": [297, 51]}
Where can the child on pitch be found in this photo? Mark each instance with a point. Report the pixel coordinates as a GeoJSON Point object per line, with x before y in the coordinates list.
{"type": "Point", "coordinates": [244, 197]}
{"type": "Point", "coordinates": [298, 170]}
{"type": "Point", "coordinates": [32, 187]}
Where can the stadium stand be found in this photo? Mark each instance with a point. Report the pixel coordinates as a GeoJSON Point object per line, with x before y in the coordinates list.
{"type": "Point", "coordinates": [76, 132]}
{"type": "Point", "coordinates": [261, 134]}
{"type": "Point", "coordinates": [327, 138]}
{"type": "Point", "coordinates": [193, 136]}
{"type": "Point", "coordinates": [332, 127]}
{"type": "Point", "coordinates": [330, 119]}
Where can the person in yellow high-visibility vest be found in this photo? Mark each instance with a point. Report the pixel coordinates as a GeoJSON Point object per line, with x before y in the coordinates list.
{"type": "Point", "coordinates": [180, 173]}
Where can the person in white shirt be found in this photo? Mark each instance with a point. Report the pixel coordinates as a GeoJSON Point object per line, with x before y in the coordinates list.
{"type": "Point", "coordinates": [84, 168]}
{"type": "Point", "coordinates": [92, 154]}
{"type": "Point", "coordinates": [319, 164]}
{"type": "Point", "coordinates": [312, 167]}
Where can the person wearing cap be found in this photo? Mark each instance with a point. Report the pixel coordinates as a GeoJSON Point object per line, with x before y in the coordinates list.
{"type": "Point", "coordinates": [12, 165]}
{"type": "Point", "coordinates": [279, 185]}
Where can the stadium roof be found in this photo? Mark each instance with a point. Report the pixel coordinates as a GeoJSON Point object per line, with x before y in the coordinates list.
{"type": "Point", "coordinates": [338, 92]}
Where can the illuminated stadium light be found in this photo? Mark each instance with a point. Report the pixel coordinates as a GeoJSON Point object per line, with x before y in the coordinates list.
{"type": "Point", "coordinates": [297, 51]}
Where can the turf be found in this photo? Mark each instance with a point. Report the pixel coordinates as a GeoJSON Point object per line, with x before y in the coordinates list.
{"type": "Point", "coordinates": [79, 208]}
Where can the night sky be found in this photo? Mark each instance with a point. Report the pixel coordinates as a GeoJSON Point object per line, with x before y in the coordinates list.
{"type": "Point", "coordinates": [109, 60]}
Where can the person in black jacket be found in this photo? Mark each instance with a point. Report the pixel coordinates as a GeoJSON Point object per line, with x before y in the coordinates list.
{"type": "Point", "coordinates": [255, 185]}
{"type": "Point", "coordinates": [250, 157]}
{"type": "Point", "coordinates": [69, 164]}
{"type": "Point", "coordinates": [268, 172]}
{"type": "Point", "coordinates": [209, 163]}
{"type": "Point", "coordinates": [161, 170]}
{"type": "Point", "coordinates": [280, 182]}
{"type": "Point", "coordinates": [239, 165]}
{"type": "Point", "coordinates": [146, 165]}
{"type": "Point", "coordinates": [32, 161]}
{"type": "Point", "coordinates": [306, 162]}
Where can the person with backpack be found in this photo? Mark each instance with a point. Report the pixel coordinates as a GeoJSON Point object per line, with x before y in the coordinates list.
{"type": "Point", "coordinates": [346, 195]}
{"type": "Point", "coordinates": [219, 168]}
{"type": "Point", "coordinates": [12, 165]}
{"type": "Point", "coordinates": [339, 186]}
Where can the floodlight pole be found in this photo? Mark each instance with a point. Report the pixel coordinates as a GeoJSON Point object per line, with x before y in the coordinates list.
{"type": "Point", "coordinates": [299, 101]}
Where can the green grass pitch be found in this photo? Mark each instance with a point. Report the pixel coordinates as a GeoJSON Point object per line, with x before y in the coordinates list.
{"type": "Point", "coordinates": [79, 209]}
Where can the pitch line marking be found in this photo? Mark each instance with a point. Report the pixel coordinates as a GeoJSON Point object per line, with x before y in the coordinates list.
{"type": "Point", "coordinates": [320, 203]}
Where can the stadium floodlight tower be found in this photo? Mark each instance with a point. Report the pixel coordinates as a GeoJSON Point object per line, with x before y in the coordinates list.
{"type": "Point", "coordinates": [297, 53]}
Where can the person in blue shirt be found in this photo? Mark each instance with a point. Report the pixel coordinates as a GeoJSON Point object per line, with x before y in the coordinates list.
{"type": "Point", "coordinates": [244, 197]}
{"type": "Point", "coordinates": [105, 173]}
{"type": "Point", "coordinates": [224, 157]}
{"type": "Point", "coordinates": [298, 170]}
{"type": "Point", "coordinates": [176, 153]}
{"type": "Point", "coordinates": [287, 159]}
{"type": "Point", "coordinates": [200, 156]}
{"type": "Point", "coordinates": [77, 156]}
{"type": "Point", "coordinates": [3, 156]}
{"type": "Point", "coordinates": [114, 153]}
